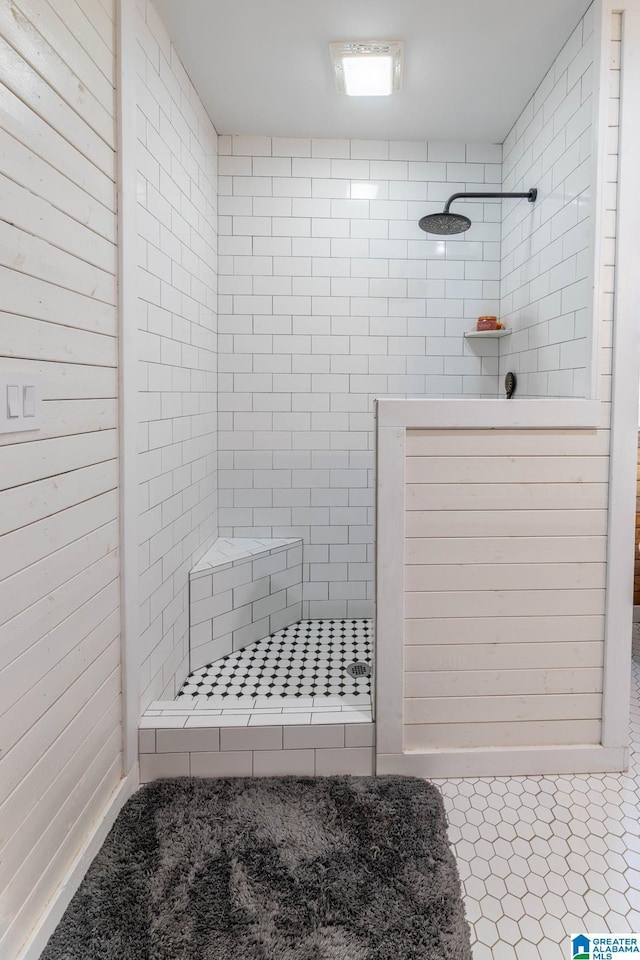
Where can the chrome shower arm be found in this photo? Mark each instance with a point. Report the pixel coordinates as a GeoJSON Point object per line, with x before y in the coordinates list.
{"type": "Point", "coordinates": [530, 196]}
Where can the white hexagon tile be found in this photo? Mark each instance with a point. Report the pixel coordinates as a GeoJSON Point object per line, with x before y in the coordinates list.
{"type": "Point", "coordinates": [541, 858]}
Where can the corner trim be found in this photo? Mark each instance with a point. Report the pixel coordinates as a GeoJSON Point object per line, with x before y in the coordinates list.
{"type": "Point", "coordinates": [128, 377]}
{"type": "Point", "coordinates": [624, 390]}
{"type": "Point", "coordinates": [389, 624]}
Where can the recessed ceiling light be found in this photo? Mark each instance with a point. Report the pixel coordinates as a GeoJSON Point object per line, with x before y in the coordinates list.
{"type": "Point", "coordinates": [367, 68]}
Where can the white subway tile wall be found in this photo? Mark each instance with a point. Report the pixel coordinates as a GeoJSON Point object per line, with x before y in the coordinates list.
{"type": "Point", "coordinates": [546, 248]}
{"type": "Point", "coordinates": [177, 265]}
{"type": "Point", "coordinates": [331, 296]}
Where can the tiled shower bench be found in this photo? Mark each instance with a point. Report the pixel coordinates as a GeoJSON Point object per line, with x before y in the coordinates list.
{"type": "Point", "coordinates": [241, 590]}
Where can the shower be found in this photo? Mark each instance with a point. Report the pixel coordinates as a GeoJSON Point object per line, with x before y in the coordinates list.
{"type": "Point", "coordinates": [448, 223]}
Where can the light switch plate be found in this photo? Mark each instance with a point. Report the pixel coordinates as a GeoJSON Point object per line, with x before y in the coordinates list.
{"type": "Point", "coordinates": [20, 387]}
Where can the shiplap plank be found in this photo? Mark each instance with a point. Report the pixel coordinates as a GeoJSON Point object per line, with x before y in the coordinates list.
{"type": "Point", "coordinates": [558, 655]}
{"type": "Point", "coordinates": [506, 496]}
{"type": "Point", "coordinates": [95, 33]}
{"type": "Point", "coordinates": [103, 765]}
{"type": "Point", "coordinates": [65, 418]}
{"type": "Point", "coordinates": [29, 255]}
{"type": "Point", "coordinates": [45, 576]}
{"type": "Point", "coordinates": [507, 443]}
{"type": "Point", "coordinates": [72, 833]}
{"type": "Point", "coordinates": [109, 10]}
{"type": "Point", "coordinates": [56, 31]}
{"type": "Point", "coordinates": [510, 603]}
{"type": "Point", "coordinates": [513, 576]}
{"type": "Point", "coordinates": [67, 381]}
{"type": "Point", "coordinates": [506, 523]}
{"type": "Point", "coordinates": [27, 462]}
{"type": "Point", "coordinates": [65, 654]}
{"type": "Point", "coordinates": [26, 40]}
{"type": "Point", "coordinates": [494, 683]}
{"type": "Point", "coordinates": [34, 814]}
{"type": "Point", "coordinates": [468, 550]}
{"type": "Point", "coordinates": [31, 297]}
{"type": "Point", "coordinates": [68, 830]}
{"type": "Point", "coordinates": [21, 164]}
{"type": "Point", "coordinates": [46, 109]}
{"type": "Point", "coordinates": [536, 628]}
{"type": "Point", "coordinates": [28, 545]}
{"type": "Point", "coordinates": [441, 736]}
{"type": "Point", "coordinates": [101, 14]}
{"type": "Point", "coordinates": [501, 470]}
{"type": "Point", "coordinates": [32, 789]}
{"type": "Point", "coordinates": [24, 505]}
{"type": "Point", "coordinates": [505, 709]}
{"type": "Point", "coordinates": [33, 745]}
{"type": "Point", "coordinates": [37, 216]}
{"type": "Point", "coordinates": [41, 617]}
{"type": "Point", "coordinates": [51, 859]}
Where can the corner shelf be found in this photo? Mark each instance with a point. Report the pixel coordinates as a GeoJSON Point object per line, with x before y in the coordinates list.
{"type": "Point", "coordinates": [487, 334]}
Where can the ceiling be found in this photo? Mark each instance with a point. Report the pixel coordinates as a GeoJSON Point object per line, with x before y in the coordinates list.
{"type": "Point", "coordinates": [262, 66]}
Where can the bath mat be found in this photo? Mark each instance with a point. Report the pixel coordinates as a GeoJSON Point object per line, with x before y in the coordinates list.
{"type": "Point", "coordinates": [282, 868]}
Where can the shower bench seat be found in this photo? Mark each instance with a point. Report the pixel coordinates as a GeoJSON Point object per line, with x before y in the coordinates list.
{"type": "Point", "coordinates": [241, 590]}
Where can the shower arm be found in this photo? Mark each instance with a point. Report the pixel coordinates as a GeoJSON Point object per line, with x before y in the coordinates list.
{"type": "Point", "coordinates": [530, 195]}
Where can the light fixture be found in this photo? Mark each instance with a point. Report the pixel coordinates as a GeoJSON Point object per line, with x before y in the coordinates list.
{"type": "Point", "coordinates": [367, 68]}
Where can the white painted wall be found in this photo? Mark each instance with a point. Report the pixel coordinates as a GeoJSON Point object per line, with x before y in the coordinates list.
{"type": "Point", "coordinates": [546, 250]}
{"type": "Point", "coordinates": [330, 296]}
{"type": "Point", "coordinates": [60, 731]}
{"type": "Point", "coordinates": [177, 290]}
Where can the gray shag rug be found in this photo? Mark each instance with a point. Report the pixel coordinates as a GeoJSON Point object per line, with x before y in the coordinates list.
{"type": "Point", "coordinates": [283, 868]}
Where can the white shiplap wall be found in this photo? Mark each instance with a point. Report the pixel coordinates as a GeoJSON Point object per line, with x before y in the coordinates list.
{"type": "Point", "coordinates": [546, 248]}
{"type": "Point", "coordinates": [177, 289]}
{"type": "Point", "coordinates": [505, 563]}
{"type": "Point", "coordinates": [330, 296]}
{"type": "Point", "coordinates": [60, 736]}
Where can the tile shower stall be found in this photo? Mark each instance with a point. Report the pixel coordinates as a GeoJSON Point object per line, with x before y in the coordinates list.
{"type": "Point", "coordinates": [257, 518]}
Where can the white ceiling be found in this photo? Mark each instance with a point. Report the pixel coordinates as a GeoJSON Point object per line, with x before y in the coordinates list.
{"type": "Point", "coordinates": [262, 66]}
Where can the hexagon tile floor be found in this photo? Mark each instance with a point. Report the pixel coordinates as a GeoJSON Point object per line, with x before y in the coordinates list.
{"type": "Point", "coordinates": [541, 858]}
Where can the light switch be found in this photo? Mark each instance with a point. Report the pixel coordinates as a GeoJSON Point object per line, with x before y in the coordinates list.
{"type": "Point", "coordinates": [29, 401]}
{"type": "Point", "coordinates": [20, 402]}
{"type": "Point", "coordinates": [13, 401]}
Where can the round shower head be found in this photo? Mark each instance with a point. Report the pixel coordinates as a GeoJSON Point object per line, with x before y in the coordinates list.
{"type": "Point", "coordinates": [444, 223]}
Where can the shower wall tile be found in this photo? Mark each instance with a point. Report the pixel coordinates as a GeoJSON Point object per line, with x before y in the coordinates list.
{"type": "Point", "coordinates": [546, 246]}
{"type": "Point", "coordinates": [330, 296]}
{"type": "Point", "coordinates": [177, 289]}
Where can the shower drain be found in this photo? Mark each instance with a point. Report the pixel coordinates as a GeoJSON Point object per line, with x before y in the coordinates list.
{"type": "Point", "coordinates": [358, 670]}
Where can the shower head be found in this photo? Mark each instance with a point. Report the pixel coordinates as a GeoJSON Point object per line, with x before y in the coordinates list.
{"type": "Point", "coordinates": [446, 223]}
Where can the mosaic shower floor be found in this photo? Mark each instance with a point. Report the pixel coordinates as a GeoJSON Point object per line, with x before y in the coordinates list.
{"type": "Point", "coordinates": [541, 858]}
{"type": "Point", "coordinates": [308, 659]}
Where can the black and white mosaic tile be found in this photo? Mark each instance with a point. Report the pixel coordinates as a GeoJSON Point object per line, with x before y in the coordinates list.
{"type": "Point", "coordinates": [308, 659]}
